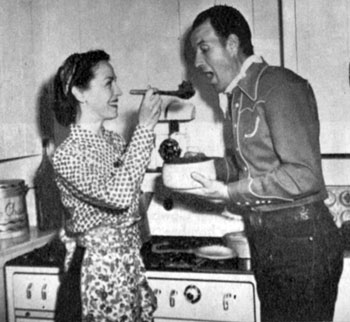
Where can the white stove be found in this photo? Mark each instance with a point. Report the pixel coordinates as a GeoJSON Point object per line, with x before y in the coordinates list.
{"type": "Point", "coordinates": [187, 296]}
{"type": "Point", "coordinates": [192, 288]}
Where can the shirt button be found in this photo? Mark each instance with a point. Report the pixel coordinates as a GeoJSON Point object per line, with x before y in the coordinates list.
{"type": "Point", "coordinates": [238, 203]}
{"type": "Point", "coordinates": [235, 126]}
{"type": "Point", "coordinates": [236, 105]}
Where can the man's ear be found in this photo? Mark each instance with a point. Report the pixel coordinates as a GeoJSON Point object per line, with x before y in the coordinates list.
{"type": "Point", "coordinates": [78, 94]}
{"type": "Point", "coordinates": [232, 44]}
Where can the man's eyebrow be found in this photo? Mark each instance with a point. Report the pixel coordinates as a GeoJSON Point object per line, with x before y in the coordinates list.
{"type": "Point", "coordinates": [201, 42]}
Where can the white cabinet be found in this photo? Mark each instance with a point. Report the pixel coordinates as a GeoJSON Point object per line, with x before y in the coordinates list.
{"type": "Point", "coordinates": [316, 46]}
{"type": "Point", "coordinates": [18, 102]}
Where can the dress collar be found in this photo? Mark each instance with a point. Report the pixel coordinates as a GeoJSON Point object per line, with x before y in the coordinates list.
{"type": "Point", "coordinates": [87, 137]}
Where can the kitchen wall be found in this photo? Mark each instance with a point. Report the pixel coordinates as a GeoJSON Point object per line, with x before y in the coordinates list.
{"type": "Point", "coordinates": [316, 38]}
{"type": "Point", "coordinates": [145, 39]}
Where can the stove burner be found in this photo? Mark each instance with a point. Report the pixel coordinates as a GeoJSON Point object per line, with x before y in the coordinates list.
{"type": "Point", "coordinates": [186, 260]}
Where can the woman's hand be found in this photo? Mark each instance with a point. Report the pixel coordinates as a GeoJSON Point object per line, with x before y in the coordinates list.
{"type": "Point", "coordinates": [150, 109]}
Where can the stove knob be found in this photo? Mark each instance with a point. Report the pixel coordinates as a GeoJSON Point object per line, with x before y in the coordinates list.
{"type": "Point", "coordinates": [173, 294]}
{"type": "Point", "coordinates": [29, 291]}
{"type": "Point", "coordinates": [44, 292]}
{"type": "Point", "coordinates": [192, 293]}
{"type": "Point", "coordinates": [345, 216]}
{"type": "Point", "coordinates": [330, 201]}
{"type": "Point", "coordinates": [345, 198]}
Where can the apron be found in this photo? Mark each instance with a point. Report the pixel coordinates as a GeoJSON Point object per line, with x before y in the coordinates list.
{"type": "Point", "coordinates": [113, 283]}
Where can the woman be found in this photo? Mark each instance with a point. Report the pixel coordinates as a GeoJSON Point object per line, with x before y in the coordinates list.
{"type": "Point", "coordinates": [99, 178]}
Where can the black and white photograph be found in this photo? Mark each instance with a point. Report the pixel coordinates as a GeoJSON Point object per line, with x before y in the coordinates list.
{"type": "Point", "coordinates": [174, 160]}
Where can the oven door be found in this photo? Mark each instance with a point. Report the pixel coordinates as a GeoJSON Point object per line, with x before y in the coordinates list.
{"type": "Point", "coordinates": [31, 293]}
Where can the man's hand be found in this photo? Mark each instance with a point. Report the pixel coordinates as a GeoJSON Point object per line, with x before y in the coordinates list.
{"type": "Point", "coordinates": [214, 190]}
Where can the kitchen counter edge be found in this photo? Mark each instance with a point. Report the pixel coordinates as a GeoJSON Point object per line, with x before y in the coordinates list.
{"type": "Point", "coordinates": [16, 246]}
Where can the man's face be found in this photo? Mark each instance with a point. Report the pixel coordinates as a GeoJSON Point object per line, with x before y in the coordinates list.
{"type": "Point", "coordinates": [216, 61]}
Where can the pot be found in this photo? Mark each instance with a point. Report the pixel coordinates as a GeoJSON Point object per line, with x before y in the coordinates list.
{"type": "Point", "coordinates": [177, 173]}
{"type": "Point", "coordinates": [13, 208]}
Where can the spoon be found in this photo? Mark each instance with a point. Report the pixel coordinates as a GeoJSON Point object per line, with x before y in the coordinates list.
{"type": "Point", "coordinates": [185, 91]}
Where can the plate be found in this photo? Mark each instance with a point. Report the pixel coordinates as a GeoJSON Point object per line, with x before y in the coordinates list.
{"type": "Point", "coordinates": [216, 252]}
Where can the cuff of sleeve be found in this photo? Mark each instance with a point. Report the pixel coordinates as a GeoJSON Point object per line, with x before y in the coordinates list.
{"type": "Point", "coordinates": [225, 171]}
{"type": "Point", "coordinates": [144, 132]}
{"type": "Point", "coordinates": [240, 194]}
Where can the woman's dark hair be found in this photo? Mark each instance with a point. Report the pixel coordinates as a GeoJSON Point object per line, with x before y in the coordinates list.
{"type": "Point", "coordinates": [227, 20]}
{"type": "Point", "coordinates": [77, 70]}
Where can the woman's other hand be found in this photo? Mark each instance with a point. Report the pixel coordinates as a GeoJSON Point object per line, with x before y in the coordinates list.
{"type": "Point", "coordinates": [150, 109]}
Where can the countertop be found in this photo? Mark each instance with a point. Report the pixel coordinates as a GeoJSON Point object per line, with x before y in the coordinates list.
{"type": "Point", "coordinates": [13, 247]}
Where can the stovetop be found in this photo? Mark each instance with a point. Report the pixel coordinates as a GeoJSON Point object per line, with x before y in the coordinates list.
{"type": "Point", "coordinates": [181, 261]}
{"type": "Point", "coordinates": [52, 255]}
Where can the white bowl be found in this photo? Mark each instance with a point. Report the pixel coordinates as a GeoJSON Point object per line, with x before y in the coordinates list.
{"type": "Point", "coordinates": [177, 174]}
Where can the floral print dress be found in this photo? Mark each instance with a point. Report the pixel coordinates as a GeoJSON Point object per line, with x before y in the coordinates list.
{"type": "Point", "coordinates": [99, 179]}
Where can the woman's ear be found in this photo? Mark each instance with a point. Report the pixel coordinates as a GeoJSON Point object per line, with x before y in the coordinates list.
{"type": "Point", "coordinates": [78, 94]}
{"type": "Point", "coordinates": [232, 44]}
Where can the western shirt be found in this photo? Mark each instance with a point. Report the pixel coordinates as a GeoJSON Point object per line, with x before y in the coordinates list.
{"type": "Point", "coordinates": [276, 150]}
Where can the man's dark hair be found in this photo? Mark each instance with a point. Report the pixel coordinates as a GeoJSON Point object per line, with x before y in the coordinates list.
{"type": "Point", "coordinates": [227, 20]}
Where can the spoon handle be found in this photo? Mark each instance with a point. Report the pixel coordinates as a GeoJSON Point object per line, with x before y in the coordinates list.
{"type": "Point", "coordinates": [143, 91]}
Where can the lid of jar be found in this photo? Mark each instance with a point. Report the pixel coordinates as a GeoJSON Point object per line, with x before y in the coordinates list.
{"type": "Point", "coordinates": [11, 183]}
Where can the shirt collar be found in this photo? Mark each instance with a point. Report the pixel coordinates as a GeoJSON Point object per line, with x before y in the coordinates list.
{"type": "Point", "coordinates": [87, 137]}
{"type": "Point", "coordinates": [242, 73]}
{"type": "Point", "coordinates": [223, 97]}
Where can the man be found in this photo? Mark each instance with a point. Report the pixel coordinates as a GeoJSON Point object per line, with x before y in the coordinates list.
{"type": "Point", "coordinates": [296, 249]}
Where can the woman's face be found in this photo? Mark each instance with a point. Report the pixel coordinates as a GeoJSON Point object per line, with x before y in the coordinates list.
{"type": "Point", "coordinates": [102, 96]}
